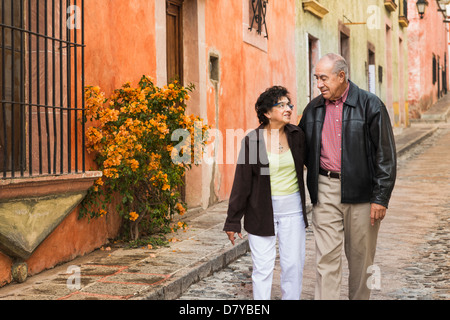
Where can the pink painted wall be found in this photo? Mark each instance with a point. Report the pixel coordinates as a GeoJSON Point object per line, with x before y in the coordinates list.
{"type": "Point", "coordinates": [425, 37]}
{"type": "Point", "coordinates": [247, 71]}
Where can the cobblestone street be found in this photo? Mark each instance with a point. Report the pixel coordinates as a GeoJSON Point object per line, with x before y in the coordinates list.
{"type": "Point", "coordinates": [413, 242]}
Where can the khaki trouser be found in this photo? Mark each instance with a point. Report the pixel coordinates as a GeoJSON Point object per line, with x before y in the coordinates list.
{"type": "Point", "coordinates": [335, 224]}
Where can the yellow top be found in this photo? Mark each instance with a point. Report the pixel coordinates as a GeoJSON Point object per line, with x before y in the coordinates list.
{"type": "Point", "coordinates": [283, 177]}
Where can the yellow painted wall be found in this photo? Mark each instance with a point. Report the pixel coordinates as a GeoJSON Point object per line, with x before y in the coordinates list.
{"type": "Point", "coordinates": [366, 22]}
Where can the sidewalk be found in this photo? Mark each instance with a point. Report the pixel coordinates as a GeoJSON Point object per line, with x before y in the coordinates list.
{"type": "Point", "coordinates": [439, 112]}
{"type": "Point", "coordinates": [164, 273]}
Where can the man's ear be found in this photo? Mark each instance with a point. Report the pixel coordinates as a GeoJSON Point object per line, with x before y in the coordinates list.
{"type": "Point", "coordinates": [342, 76]}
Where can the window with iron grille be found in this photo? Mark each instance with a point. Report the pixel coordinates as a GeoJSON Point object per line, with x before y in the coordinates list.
{"type": "Point", "coordinates": [258, 9]}
{"type": "Point", "coordinates": [404, 9]}
{"type": "Point", "coordinates": [434, 69]}
{"type": "Point", "coordinates": [41, 91]}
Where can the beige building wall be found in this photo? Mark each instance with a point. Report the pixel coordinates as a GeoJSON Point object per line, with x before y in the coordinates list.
{"type": "Point", "coordinates": [353, 28]}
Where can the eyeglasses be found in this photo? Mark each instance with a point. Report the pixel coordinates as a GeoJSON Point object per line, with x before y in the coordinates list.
{"type": "Point", "coordinates": [283, 105]}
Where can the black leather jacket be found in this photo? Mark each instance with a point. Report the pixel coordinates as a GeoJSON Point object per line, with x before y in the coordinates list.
{"type": "Point", "coordinates": [369, 161]}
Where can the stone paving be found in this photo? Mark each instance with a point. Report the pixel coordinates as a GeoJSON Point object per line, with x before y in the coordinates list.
{"type": "Point", "coordinates": [413, 242]}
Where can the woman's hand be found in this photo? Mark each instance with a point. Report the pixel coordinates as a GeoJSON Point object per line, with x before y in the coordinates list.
{"type": "Point", "coordinates": [231, 236]}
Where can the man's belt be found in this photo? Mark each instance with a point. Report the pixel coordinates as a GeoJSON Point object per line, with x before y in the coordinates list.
{"type": "Point", "coordinates": [335, 175]}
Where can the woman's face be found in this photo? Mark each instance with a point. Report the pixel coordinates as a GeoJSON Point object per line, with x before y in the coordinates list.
{"type": "Point", "coordinates": [281, 112]}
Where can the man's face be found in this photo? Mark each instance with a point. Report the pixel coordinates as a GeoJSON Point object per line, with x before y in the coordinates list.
{"type": "Point", "coordinates": [331, 85]}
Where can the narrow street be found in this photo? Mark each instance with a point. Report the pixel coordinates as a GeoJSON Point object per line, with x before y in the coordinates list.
{"type": "Point", "coordinates": [413, 242]}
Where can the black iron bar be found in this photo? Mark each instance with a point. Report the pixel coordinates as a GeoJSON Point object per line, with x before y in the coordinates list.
{"type": "Point", "coordinates": [69, 99]}
{"type": "Point", "coordinates": [22, 94]}
{"type": "Point", "coordinates": [55, 130]}
{"type": "Point", "coordinates": [7, 26]}
{"type": "Point", "coordinates": [5, 132]}
{"type": "Point", "coordinates": [83, 143]}
{"type": "Point", "coordinates": [13, 71]}
{"type": "Point", "coordinates": [30, 95]}
{"type": "Point", "coordinates": [38, 88]}
{"type": "Point", "coordinates": [39, 105]}
{"type": "Point", "coordinates": [61, 86]}
{"type": "Point", "coordinates": [47, 123]}
{"type": "Point", "coordinates": [75, 83]}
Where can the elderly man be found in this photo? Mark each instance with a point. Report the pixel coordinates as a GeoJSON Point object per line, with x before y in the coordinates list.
{"type": "Point", "coordinates": [351, 161]}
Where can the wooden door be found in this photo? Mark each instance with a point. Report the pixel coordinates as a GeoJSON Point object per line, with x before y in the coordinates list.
{"type": "Point", "coordinates": [174, 34]}
{"type": "Point", "coordinates": [174, 30]}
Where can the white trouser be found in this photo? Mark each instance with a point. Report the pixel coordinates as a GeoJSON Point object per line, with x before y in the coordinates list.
{"type": "Point", "coordinates": [290, 230]}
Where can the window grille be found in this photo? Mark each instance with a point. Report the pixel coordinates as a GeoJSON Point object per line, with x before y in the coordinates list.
{"type": "Point", "coordinates": [405, 9]}
{"type": "Point", "coordinates": [434, 69]}
{"type": "Point", "coordinates": [41, 91]}
{"type": "Point", "coordinates": [258, 9]}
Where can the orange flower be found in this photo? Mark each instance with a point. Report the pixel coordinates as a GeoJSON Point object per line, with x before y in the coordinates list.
{"type": "Point", "coordinates": [134, 164]}
{"type": "Point", "coordinates": [133, 216]}
{"type": "Point", "coordinates": [180, 208]}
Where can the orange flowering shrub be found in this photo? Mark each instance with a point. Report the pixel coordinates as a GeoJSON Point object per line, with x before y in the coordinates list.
{"type": "Point", "coordinates": [132, 137]}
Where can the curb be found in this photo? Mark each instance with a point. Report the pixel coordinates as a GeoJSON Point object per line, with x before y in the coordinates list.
{"type": "Point", "coordinates": [402, 150]}
{"type": "Point", "coordinates": [175, 286]}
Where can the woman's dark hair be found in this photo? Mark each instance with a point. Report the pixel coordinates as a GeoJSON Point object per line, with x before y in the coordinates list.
{"type": "Point", "coordinates": [267, 100]}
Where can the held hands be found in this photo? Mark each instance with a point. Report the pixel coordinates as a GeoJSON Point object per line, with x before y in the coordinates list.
{"type": "Point", "coordinates": [377, 212]}
{"type": "Point", "coordinates": [231, 236]}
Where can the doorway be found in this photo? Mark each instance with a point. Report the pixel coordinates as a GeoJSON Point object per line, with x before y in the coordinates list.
{"type": "Point", "coordinates": [174, 30]}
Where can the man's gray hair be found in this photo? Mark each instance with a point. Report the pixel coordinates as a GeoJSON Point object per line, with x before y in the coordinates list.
{"type": "Point", "coordinates": [339, 63]}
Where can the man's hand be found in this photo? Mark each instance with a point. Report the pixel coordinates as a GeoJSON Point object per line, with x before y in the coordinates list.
{"type": "Point", "coordinates": [231, 236]}
{"type": "Point", "coordinates": [377, 212]}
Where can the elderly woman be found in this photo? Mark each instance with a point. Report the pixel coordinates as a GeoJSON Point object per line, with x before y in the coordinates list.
{"type": "Point", "coordinates": [268, 191]}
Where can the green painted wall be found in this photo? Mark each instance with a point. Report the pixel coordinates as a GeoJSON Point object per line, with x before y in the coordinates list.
{"type": "Point", "coordinates": [370, 19]}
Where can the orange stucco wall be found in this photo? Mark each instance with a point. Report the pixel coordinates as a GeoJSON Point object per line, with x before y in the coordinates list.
{"type": "Point", "coordinates": [246, 71]}
{"type": "Point", "coordinates": [120, 47]}
{"type": "Point", "coordinates": [120, 42]}
{"type": "Point", "coordinates": [72, 238]}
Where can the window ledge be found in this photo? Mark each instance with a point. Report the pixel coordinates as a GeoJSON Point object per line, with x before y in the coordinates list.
{"type": "Point", "coordinates": [403, 21]}
{"type": "Point", "coordinates": [32, 207]}
{"type": "Point", "coordinates": [390, 5]}
{"type": "Point", "coordinates": [39, 186]}
{"type": "Point", "coordinates": [315, 8]}
{"type": "Point", "coordinates": [254, 39]}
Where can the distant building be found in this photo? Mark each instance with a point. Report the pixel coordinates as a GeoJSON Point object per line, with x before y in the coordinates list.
{"type": "Point", "coordinates": [428, 56]}
{"type": "Point", "coordinates": [371, 35]}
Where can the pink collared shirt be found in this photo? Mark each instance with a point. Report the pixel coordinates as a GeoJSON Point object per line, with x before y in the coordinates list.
{"type": "Point", "coordinates": [330, 152]}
